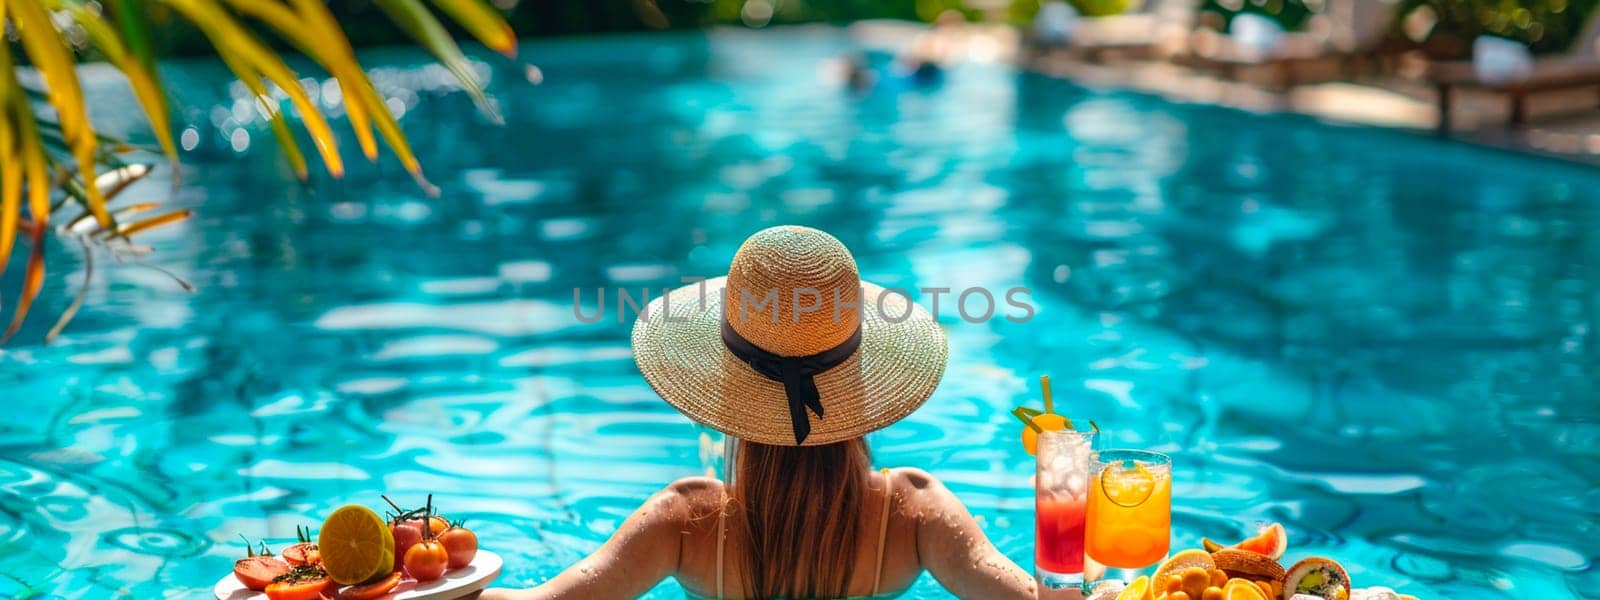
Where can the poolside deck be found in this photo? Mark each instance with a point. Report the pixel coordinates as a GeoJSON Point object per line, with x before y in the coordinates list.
{"type": "Point", "coordinates": [1563, 125]}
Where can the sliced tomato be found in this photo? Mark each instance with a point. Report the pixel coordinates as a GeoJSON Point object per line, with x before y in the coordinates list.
{"type": "Point", "coordinates": [302, 589]}
{"type": "Point", "coordinates": [372, 591]}
{"type": "Point", "coordinates": [304, 553]}
{"type": "Point", "coordinates": [257, 572]}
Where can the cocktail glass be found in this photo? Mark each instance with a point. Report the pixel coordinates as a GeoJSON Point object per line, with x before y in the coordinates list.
{"type": "Point", "coordinates": [1129, 520]}
{"type": "Point", "coordinates": [1061, 497]}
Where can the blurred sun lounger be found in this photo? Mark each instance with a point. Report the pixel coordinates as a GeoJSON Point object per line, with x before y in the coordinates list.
{"type": "Point", "coordinates": [1153, 29]}
{"type": "Point", "coordinates": [1508, 68]}
{"type": "Point", "coordinates": [1350, 33]}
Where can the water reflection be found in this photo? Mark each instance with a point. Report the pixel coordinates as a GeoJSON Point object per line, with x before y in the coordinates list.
{"type": "Point", "coordinates": [1385, 342]}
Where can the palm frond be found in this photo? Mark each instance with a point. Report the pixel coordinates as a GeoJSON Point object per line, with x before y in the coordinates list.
{"type": "Point", "coordinates": [481, 20]}
{"type": "Point", "coordinates": [413, 18]}
{"type": "Point", "coordinates": [38, 195]}
{"type": "Point", "coordinates": [140, 77]}
{"type": "Point", "coordinates": [42, 43]}
{"type": "Point", "coordinates": [229, 37]}
{"type": "Point", "coordinates": [55, 160]}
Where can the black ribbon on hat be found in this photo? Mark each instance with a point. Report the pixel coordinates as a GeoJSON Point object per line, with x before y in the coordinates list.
{"type": "Point", "coordinates": [796, 373]}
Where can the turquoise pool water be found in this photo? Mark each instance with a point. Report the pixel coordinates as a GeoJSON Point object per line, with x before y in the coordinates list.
{"type": "Point", "coordinates": [1383, 341]}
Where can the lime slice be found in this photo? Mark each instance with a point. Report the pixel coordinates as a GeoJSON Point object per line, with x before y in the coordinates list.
{"type": "Point", "coordinates": [356, 545]}
{"type": "Point", "coordinates": [1127, 487]}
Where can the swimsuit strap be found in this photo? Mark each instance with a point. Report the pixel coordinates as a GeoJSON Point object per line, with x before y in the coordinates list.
{"type": "Point", "coordinates": [883, 529]}
{"type": "Point", "coordinates": [722, 519]}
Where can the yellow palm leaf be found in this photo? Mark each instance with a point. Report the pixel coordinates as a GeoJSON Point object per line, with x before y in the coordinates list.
{"type": "Point", "coordinates": [154, 222]}
{"type": "Point", "coordinates": [359, 90]}
{"type": "Point", "coordinates": [280, 127]}
{"type": "Point", "coordinates": [43, 45]}
{"type": "Point", "coordinates": [32, 282]}
{"type": "Point", "coordinates": [414, 18]}
{"type": "Point", "coordinates": [483, 22]}
{"type": "Point", "coordinates": [10, 191]}
{"type": "Point", "coordinates": [10, 175]}
{"type": "Point", "coordinates": [39, 186]}
{"type": "Point", "coordinates": [329, 51]}
{"type": "Point", "coordinates": [144, 85]}
{"type": "Point", "coordinates": [228, 36]}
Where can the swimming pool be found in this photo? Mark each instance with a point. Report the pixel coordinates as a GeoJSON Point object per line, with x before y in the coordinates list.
{"type": "Point", "coordinates": [1384, 341]}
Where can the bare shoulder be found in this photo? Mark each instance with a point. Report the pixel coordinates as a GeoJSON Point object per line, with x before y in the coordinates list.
{"type": "Point", "coordinates": [690, 498]}
{"type": "Point", "coordinates": [696, 489]}
{"type": "Point", "coordinates": [923, 493]}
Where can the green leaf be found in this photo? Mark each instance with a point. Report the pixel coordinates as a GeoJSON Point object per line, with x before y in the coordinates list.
{"type": "Point", "coordinates": [413, 18]}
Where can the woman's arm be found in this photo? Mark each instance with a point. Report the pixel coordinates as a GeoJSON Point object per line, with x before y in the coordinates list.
{"type": "Point", "coordinates": [642, 552]}
{"type": "Point", "coordinates": [953, 548]}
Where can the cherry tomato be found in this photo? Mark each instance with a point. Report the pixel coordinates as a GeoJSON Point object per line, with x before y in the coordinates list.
{"type": "Point", "coordinates": [257, 572]}
{"type": "Point", "coordinates": [372, 591]}
{"type": "Point", "coordinates": [300, 583]}
{"type": "Point", "coordinates": [406, 535]}
{"type": "Point", "coordinates": [304, 553]}
{"type": "Point", "coordinates": [427, 560]}
{"type": "Point", "coordinates": [461, 544]}
{"type": "Point", "coordinates": [437, 523]}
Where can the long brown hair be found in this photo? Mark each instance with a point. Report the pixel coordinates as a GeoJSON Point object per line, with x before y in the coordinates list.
{"type": "Point", "coordinates": [802, 513]}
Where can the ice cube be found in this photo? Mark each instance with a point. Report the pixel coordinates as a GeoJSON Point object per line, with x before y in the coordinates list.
{"type": "Point", "coordinates": [1077, 484]}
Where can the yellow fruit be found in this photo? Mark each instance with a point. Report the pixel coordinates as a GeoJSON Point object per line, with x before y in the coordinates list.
{"type": "Point", "coordinates": [1242, 589]}
{"type": "Point", "coordinates": [1184, 560]}
{"type": "Point", "coordinates": [1212, 593]}
{"type": "Point", "coordinates": [1172, 583]}
{"type": "Point", "coordinates": [1218, 578]}
{"type": "Point", "coordinates": [1128, 487]}
{"type": "Point", "coordinates": [356, 545]}
{"type": "Point", "coordinates": [1195, 580]}
{"type": "Point", "coordinates": [1047, 422]}
{"type": "Point", "coordinates": [1178, 596]}
{"type": "Point", "coordinates": [1138, 590]}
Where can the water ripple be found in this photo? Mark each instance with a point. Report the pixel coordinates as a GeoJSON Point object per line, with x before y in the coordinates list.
{"type": "Point", "coordinates": [1320, 333]}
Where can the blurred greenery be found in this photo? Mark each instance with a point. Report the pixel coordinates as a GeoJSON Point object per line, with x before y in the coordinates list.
{"type": "Point", "coordinates": [1545, 25]}
{"type": "Point", "coordinates": [1289, 14]}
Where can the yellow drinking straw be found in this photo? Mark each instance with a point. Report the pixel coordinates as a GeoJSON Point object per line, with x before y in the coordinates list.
{"type": "Point", "coordinates": [1049, 403]}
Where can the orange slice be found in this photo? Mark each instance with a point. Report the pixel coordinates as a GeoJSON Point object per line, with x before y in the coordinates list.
{"type": "Point", "coordinates": [356, 546]}
{"type": "Point", "coordinates": [1184, 560]}
{"type": "Point", "coordinates": [1241, 589]}
{"type": "Point", "coordinates": [1127, 487]}
{"type": "Point", "coordinates": [1138, 590]}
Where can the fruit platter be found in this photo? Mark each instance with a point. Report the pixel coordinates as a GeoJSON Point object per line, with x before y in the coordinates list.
{"type": "Point", "coordinates": [413, 554]}
{"type": "Point", "coordinates": [1249, 570]}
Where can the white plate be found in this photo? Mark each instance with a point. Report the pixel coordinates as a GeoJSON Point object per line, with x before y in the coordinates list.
{"type": "Point", "coordinates": [455, 584]}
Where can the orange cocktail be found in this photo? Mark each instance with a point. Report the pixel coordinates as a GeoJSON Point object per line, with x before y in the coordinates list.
{"type": "Point", "coordinates": [1129, 521]}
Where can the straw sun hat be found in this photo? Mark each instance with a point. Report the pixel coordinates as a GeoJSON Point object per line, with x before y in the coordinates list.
{"type": "Point", "coordinates": [808, 354]}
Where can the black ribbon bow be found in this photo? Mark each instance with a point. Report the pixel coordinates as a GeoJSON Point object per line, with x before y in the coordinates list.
{"type": "Point", "coordinates": [796, 373]}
